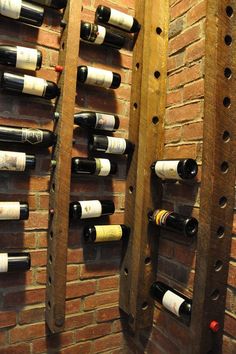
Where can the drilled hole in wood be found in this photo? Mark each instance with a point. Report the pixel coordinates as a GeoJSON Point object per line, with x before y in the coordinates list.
{"type": "Point", "coordinates": [82, 8]}
{"type": "Point", "coordinates": [228, 39]}
{"type": "Point", "coordinates": [227, 102]}
{"type": "Point", "coordinates": [126, 271]}
{"type": "Point", "coordinates": [229, 11]}
{"type": "Point", "coordinates": [147, 260]}
{"type": "Point", "coordinates": [144, 305]}
{"type": "Point", "coordinates": [53, 187]}
{"type": "Point", "coordinates": [224, 167]}
{"type": "Point", "coordinates": [131, 189]}
{"type": "Point", "coordinates": [51, 235]}
{"type": "Point", "coordinates": [157, 74]}
{"type": "Point", "coordinates": [228, 73]}
{"type": "Point", "coordinates": [137, 66]}
{"type": "Point", "coordinates": [223, 202]}
{"type": "Point", "coordinates": [226, 136]}
{"type": "Point", "coordinates": [49, 305]}
{"type": "Point", "coordinates": [158, 30]}
{"type": "Point", "coordinates": [49, 280]}
{"type": "Point", "coordinates": [155, 120]}
{"type": "Point", "coordinates": [220, 231]}
{"type": "Point", "coordinates": [215, 294]}
{"type": "Point", "coordinates": [218, 265]}
{"type": "Point", "coordinates": [50, 258]}
{"type": "Point", "coordinates": [63, 45]}
{"type": "Point", "coordinates": [135, 105]}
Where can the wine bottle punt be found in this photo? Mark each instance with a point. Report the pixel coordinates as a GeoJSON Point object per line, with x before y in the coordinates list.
{"type": "Point", "coordinates": [104, 233]}
{"type": "Point", "coordinates": [29, 85]}
{"type": "Point", "coordinates": [175, 169]}
{"type": "Point", "coordinates": [98, 77]}
{"type": "Point", "coordinates": [109, 145]}
{"type": "Point", "coordinates": [22, 11]}
{"type": "Point", "coordinates": [97, 120]}
{"type": "Point", "coordinates": [56, 4]}
{"type": "Point", "coordinates": [28, 136]}
{"type": "Point", "coordinates": [174, 222]}
{"type": "Point", "coordinates": [20, 57]}
{"type": "Point", "coordinates": [91, 209]}
{"type": "Point", "coordinates": [100, 35]}
{"type": "Point", "coordinates": [14, 211]}
{"type": "Point", "coordinates": [14, 262]}
{"type": "Point", "coordinates": [16, 161]}
{"type": "Point", "coordinates": [93, 166]}
{"type": "Point", "coordinates": [172, 300]}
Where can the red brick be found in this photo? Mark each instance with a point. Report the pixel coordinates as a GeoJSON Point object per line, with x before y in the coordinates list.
{"type": "Point", "coordinates": [8, 280]}
{"type": "Point", "coordinates": [89, 271]}
{"type": "Point", "coordinates": [173, 135]}
{"type": "Point", "coordinates": [232, 274]}
{"type": "Point", "coordinates": [195, 51]}
{"type": "Point", "coordinates": [7, 319]}
{"type": "Point", "coordinates": [187, 74]}
{"type": "Point", "coordinates": [18, 240]}
{"type": "Point", "coordinates": [38, 258]}
{"type": "Point", "coordinates": [32, 315]}
{"type": "Point", "coordinates": [194, 90]}
{"type": "Point", "coordinates": [98, 300]}
{"type": "Point", "coordinates": [27, 297]}
{"type": "Point", "coordinates": [94, 331]}
{"type": "Point", "coordinates": [184, 39]}
{"type": "Point", "coordinates": [16, 349]}
{"type": "Point", "coordinates": [175, 61]}
{"type": "Point", "coordinates": [77, 321]}
{"type": "Point", "coordinates": [174, 97]}
{"type": "Point", "coordinates": [192, 131]}
{"type": "Point", "coordinates": [22, 333]}
{"type": "Point", "coordinates": [230, 324]}
{"type": "Point", "coordinates": [233, 248]}
{"type": "Point", "coordinates": [53, 341]}
{"type": "Point", "coordinates": [107, 314]}
{"type": "Point", "coordinates": [108, 283]}
{"type": "Point", "coordinates": [182, 151]}
{"type": "Point", "coordinates": [73, 306]}
{"type": "Point", "coordinates": [82, 348]}
{"type": "Point", "coordinates": [108, 342]}
{"type": "Point", "coordinates": [185, 113]}
{"type": "Point", "coordinates": [72, 274]}
{"type": "Point", "coordinates": [180, 8]}
{"type": "Point", "coordinates": [78, 289]}
{"type": "Point", "coordinates": [196, 13]}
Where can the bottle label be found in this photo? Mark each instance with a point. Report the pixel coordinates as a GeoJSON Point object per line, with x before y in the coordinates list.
{"type": "Point", "coordinates": [34, 85]}
{"type": "Point", "coordinates": [120, 19]}
{"type": "Point", "coordinates": [10, 8]}
{"type": "Point", "coordinates": [3, 262]}
{"type": "Point", "coordinates": [108, 233]}
{"type": "Point", "coordinates": [9, 210]}
{"type": "Point", "coordinates": [26, 58]}
{"type": "Point", "coordinates": [90, 209]}
{"type": "Point", "coordinates": [167, 169]}
{"type": "Point", "coordinates": [172, 302]}
{"type": "Point", "coordinates": [160, 216]}
{"type": "Point", "coordinates": [100, 35]}
{"type": "Point", "coordinates": [116, 145]}
{"type": "Point", "coordinates": [12, 161]}
{"type": "Point", "coordinates": [99, 77]}
{"type": "Point", "coordinates": [103, 167]}
{"type": "Point", "coordinates": [105, 121]}
{"type": "Point", "coordinates": [32, 136]}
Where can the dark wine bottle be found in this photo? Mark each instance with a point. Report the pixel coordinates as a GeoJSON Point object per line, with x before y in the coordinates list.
{"type": "Point", "coordinates": [172, 300]}
{"type": "Point", "coordinates": [20, 57]}
{"type": "Point", "coordinates": [116, 18]}
{"type": "Point", "coordinates": [97, 34]}
{"type": "Point", "coordinates": [14, 211]}
{"type": "Point", "coordinates": [97, 120]}
{"type": "Point", "coordinates": [98, 77]}
{"type": "Point", "coordinates": [16, 161]}
{"type": "Point", "coordinates": [29, 85]}
{"type": "Point", "coordinates": [110, 145]}
{"type": "Point", "coordinates": [23, 11]}
{"type": "Point", "coordinates": [104, 233]}
{"type": "Point", "coordinates": [93, 166]}
{"type": "Point", "coordinates": [174, 222]}
{"type": "Point", "coordinates": [56, 4]}
{"type": "Point", "coordinates": [14, 262]}
{"type": "Point", "coordinates": [175, 169]}
{"type": "Point", "coordinates": [40, 137]}
{"type": "Point", "coordinates": [91, 209]}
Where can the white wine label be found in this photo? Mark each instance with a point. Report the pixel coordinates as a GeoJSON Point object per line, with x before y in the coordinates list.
{"type": "Point", "coordinates": [121, 20]}
{"type": "Point", "coordinates": [99, 77]}
{"type": "Point", "coordinates": [26, 58]}
{"type": "Point", "coordinates": [103, 167]}
{"type": "Point", "coordinates": [116, 145]}
{"type": "Point", "coordinates": [90, 209]}
{"type": "Point", "coordinates": [3, 262]}
{"type": "Point", "coordinates": [172, 302]}
{"type": "Point", "coordinates": [32, 136]}
{"type": "Point", "coordinates": [160, 216]}
{"type": "Point", "coordinates": [108, 233]}
{"type": "Point", "coordinates": [12, 161]}
{"type": "Point", "coordinates": [34, 85]}
{"type": "Point", "coordinates": [9, 210]}
{"type": "Point", "coordinates": [105, 121]}
{"type": "Point", "coordinates": [10, 8]}
{"type": "Point", "coordinates": [101, 33]}
{"type": "Point", "coordinates": [167, 169]}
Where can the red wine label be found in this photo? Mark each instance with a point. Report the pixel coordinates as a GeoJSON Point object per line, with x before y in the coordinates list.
{"type": "Point", "coordinates": [108, 233]}
{"type": "Point", "coordinates": [10, 8]}
{"type": "Point", "coordinates": [9, 210]}
{"type": "Point", "coordinates": [121, 20]}
{"type": "Point", "coordinates": [105, 121]}
{"type": "Point", "coordinates": [103, 167]}
{"type": "Point", "coordinates": [32, 136]}
{"type": "Point", "coordinates": [116, 145]}
{"type": "Point", "coordinates": [90, 209]}
{"type": "Point", "coordinates": [160, 216]}
{"type": "Point", "coordinates": [3, 262]}
{"type": "Point", "coordinates": [34, 85]}
{"type": "Point", "coordinates": [167, 169]}
{"type": "Point", "coordinates": [26, 58]}
{"type": "Point", "coordinates": [12, 161]}
{"type": "Point", "coordinates": [99, 77]}
{"type": "Point", "coordinates": [100, 35]}
{"type": "Point", "coordinates": [172, 302]}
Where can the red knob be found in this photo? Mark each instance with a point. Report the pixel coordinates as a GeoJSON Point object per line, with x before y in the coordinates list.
{"type": "Point", "coordinates": [59, 68]}
{"type": "Point", "coordinates": [214, 326]}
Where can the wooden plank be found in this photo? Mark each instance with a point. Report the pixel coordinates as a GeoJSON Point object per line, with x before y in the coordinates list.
{"type": "Point", "coordinates": [148, 98]}
{"type": "Point", "coordinates": [61, 174]}
{"type": "Point", "coordinates": [217, 189]}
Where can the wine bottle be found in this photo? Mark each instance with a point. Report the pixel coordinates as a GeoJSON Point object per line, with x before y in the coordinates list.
{"type": "Point", "coordinates": [16, 161]}
{"type": "Point", "coordinates": [14, 211]}
{"type": "Point", "coordinates": [97, 34]}
{"type": "Point", "coordinates": [110, 145]}
{"type": "Point", "coordinates": [40, 137]}
{"type": "Point", "coordinates": [20, 57]}
{"type": "Point", "coordinates": [172, 300]}
{"type": "Point", "coordinates": [91, 209]}
{"type": "Point", "coordinates": [116, 18]}
{"type": "Point", "coordinates": [104, 233]}
{"type": "Point", "coordinates": [56, 4]}
{"type": "Point", "coordinates": [29, 85]}
{"type": "Point", "coordinates": [98, 77]}
{"type": "Point", "coordinates": [97, 120]}
{"type": "Point", "coordinates": [93, 166]}
{"type": "Point", "coordinates": [14, 262]}
{"type": "Point", "coordinates": [23, 11]}
{"type": "Point", "coordinates": [175, 169]}
{"type": "Point", "coordinates": [174, 222]}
